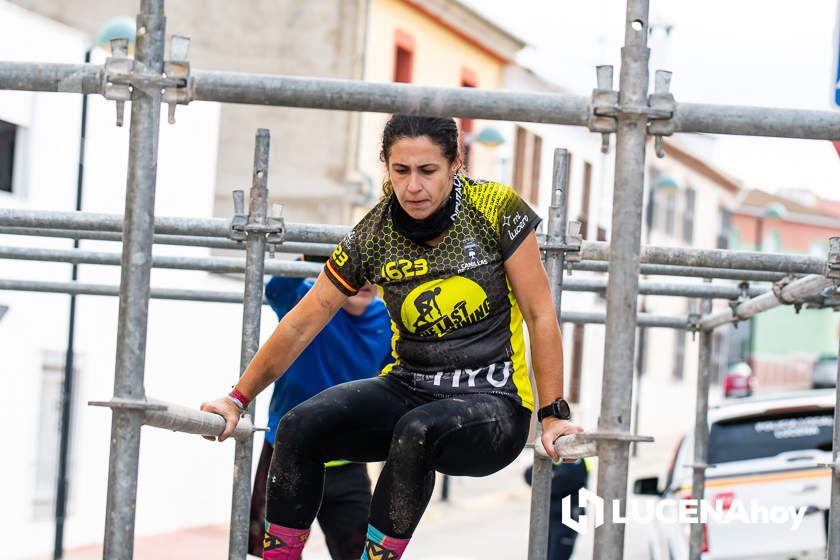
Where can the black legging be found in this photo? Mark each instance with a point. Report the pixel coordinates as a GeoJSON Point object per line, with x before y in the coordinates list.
{"type": "Point", "coordinates": [384, 419]}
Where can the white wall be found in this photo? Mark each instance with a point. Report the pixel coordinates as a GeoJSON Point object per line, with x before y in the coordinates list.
{"type": "Point", "coordinates": [192, 350]}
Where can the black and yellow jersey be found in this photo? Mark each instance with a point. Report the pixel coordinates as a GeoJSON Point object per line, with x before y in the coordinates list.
{"type": "Point", "coordinates": [456, 324]}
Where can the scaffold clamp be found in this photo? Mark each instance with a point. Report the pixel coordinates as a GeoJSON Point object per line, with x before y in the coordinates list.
{"type": "Point", "coordinates": [574, 239]}
{"type": "Point", "coordinates": [694, 324]}
{"type": "Point", "coordinates": [177, 69]}
{"type": "Point", "coordinates": [778, 288]}
{"type": "Point", "coordinates": [604, 111]}
{"type": "Point", "coordinates": [116, 76]}
{"type": "Point", "coordinates": [276, 234]}
{"type": "Point", "coordinates": [734, 303]}
{"type": "Point", "coordinates": [662, 107]}
{"type": "Point", "coordinates": [240, 218]}
{"type": "Point", "coordinates": [832, 267]}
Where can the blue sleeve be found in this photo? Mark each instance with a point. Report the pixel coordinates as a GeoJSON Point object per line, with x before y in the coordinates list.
{"type": "Point", "coordinates": [282, 294]}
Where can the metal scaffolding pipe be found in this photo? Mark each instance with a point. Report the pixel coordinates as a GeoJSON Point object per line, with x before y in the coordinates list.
{"type": "Point", "coordinates": [701, 432]}
{"type": "Point", "coordinates": [293, 247]}
{"type": "Point", "coordinates": [542, 472]}
{"type": "Point", "coordinates": [86, 289]}
{"type": "Point", "coordinates": [322, 233]}
{"type": "Point", "coordinates": [626, 233]}
{"type": "Point", "coordinates": [642, 320]}
{"type": "Point", "coordinates": [354, 95]}
{"type": "Point", "coordinates": [691, 271]}
{"type": "Point", "coordinates": [717, 258]}
{"type": "Point", "coordinates": [756, 121]}
{"type": "Point", "coordinates": [658, 288]}
{"type": "Point", "coordinates": [834, 504]}
{"type": "Point", "coordinates": [134, 288]}
{"type": "Point", "coordinates": [794, 292]}
{"type": "Point", "coordinates": [80, 288]}
{"type": "Point", "coordinates": [294, 269]}
{"type": "Point", "coordinates": [206, 227]}
{"type": "Point", "coordinates": [251, 314]}
{"type": "Point", "coordinates": [38, 76]}
{"type": "Point", "coordinates": [305, 269]}
{"type": "Point", "coordinates": [190, 420]}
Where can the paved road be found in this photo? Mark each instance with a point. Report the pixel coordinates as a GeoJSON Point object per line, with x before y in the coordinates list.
{"type": "Point", "coordinates": [485, 519]}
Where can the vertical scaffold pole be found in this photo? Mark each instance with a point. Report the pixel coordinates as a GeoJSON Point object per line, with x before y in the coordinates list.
{"type": "Point", "coordinates": [252, 309]}
{"type": "Point", "coordinates": [834, 507]}
{"type": "Point", "coordinates": [623, 286]}
{"type": "Point", "coordinates": [134, 287]}
{"type": "Point", "coordinates": [701, 432]}
{"type": "Point", "coordinates": [554, 261]}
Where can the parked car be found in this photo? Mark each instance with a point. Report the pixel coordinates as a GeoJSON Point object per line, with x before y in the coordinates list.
{"type": "Point", "coordinates": [739, 381]}
{"type": "Point", "coordinates": [765, 450]}
{"type": "Point", "coordinates": [824, 373]}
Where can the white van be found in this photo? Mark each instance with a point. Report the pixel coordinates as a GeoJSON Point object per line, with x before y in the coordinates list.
{"type": "Point", "coordinates": [763, 449]}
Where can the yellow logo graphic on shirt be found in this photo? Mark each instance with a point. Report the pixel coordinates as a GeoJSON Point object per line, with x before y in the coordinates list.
{"type": "Point", "coordinates": [441, 306]}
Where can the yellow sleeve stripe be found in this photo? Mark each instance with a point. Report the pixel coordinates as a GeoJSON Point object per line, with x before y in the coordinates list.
{"type": "Point", "coordinates": [334, 273]}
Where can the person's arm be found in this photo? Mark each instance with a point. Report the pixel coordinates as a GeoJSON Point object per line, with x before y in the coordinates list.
{"type": "Point", "coordinates": [530, 286]}
{"type": "Point", "coordinates": [290, 337]}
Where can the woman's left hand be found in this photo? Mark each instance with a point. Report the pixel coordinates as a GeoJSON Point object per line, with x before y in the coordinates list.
{"type": "Point", "coordinates": [553, 428]}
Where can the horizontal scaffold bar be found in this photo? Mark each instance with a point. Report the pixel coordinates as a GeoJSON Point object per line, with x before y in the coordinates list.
{"type": "Point", "coordinates": [354, 95]}
{"type": "Point", "coordinates": [660, 289]}
{"type": "Point", "coordinates": [322, 233]}
{"type": "Point", "coordinates": [687, 271]}
{"type": "Point", "coordinates": [78, 288]}
{"type": "Point", "coordinates": [642, 320]}
{"type": "Point", "coordinates": [86, 289]}
{"type": "Point", "coordinates": [795, 292]}
{"type": "Point", "coordinates": [209, 264]}
{"type": "Point", "coordinates": [716, 258]}
{"type": "Point", "coordinates": [303, 269]}
{"type": "Point", "coordinates": [323, 249]}
{"type": "Point", "coordinates": [180, 418]}
{"type": "Point", "coordinates": [207, 227]}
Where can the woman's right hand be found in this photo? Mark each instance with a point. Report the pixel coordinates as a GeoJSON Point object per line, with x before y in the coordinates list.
{"type": "Point", "coordinates": [225, 408]}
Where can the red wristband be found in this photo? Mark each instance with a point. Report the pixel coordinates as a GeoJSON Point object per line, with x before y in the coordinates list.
{"type": "Point", "coordinates": [237, 394]}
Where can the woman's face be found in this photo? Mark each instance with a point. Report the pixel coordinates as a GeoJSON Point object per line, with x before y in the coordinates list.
{"type": "Point", "coordinates": [421, 175]}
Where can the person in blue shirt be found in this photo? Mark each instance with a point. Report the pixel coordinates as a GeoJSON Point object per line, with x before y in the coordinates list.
{"type": "Point", "coordinates": [355, 344]}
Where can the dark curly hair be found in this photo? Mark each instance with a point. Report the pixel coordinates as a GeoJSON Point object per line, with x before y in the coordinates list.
{"type": "Point", "coordinates": [441, 130]}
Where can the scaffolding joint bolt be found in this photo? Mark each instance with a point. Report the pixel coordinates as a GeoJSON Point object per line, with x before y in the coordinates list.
{"type": "Point", "coordinates": [116, 76]}
{"type": "Point", "coordinates": [694, 325]}
{"type": "Point", "coordinates": [662, 107]}
{"type": "Point", "coordinates": [180, 85]}
{"type": "Point", "coordinates": [277, 229]}
{"type": "Point", "coordinates": [574, 240]}
{"type": "Point", "coordinates": [240, 218]}
{"type": "Point", "coordinates": [604, 108]}
{"type": "Point", "coordinates": [832, 266]}
{"type": "Point", "coordinates": [778, 291]}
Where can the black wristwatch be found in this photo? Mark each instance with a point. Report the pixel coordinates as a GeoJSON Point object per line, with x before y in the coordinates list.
{"type": "Point", "coordinates": [559, 409]}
